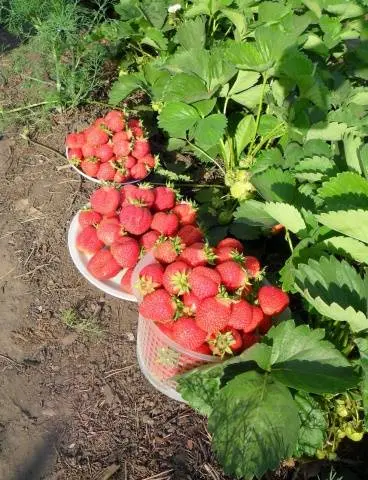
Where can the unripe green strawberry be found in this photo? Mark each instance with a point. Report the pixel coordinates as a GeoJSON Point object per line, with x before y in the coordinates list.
{"type": "Point", "coordinates": [272, 300]}
{"type": "Point", "coordinates": [186, 333]}
{"type": "Point", "coordinates": [158, 306]}
{"type": "Point", "coordinates": [213, 314]}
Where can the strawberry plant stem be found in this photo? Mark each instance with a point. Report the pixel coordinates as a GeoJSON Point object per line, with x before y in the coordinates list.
{"type": "Point", "coordinates": [206, 155]}
{"type": "Point", "coordinates": [258, 113]}
{"type": "Point", "coordinates": [288, 239]}
{"type": "Point", "coordinates": [27, 107]}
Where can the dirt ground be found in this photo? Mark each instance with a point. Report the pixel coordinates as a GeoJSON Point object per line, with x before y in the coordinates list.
{"type": "Point", "coordinates": [73, 404]}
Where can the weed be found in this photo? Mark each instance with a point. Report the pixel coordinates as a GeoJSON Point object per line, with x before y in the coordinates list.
{"type": "Point", "coordinates": [72, 319]}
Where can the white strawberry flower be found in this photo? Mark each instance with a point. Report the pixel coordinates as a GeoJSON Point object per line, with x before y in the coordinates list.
{"type": "Point", "coordinates": [174, 8]}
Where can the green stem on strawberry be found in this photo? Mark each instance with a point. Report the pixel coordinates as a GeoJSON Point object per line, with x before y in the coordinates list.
{"type": "Point", "coordinates": [288, 239]}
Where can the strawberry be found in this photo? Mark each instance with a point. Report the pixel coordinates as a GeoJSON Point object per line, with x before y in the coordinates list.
{"type": "Point", "coordinates": [166, 328]}
{"type": "Point", "coordinates": [100, 123]}
{"type": "Point", "coordinates": [106, 172]}
{"type": "Point", "coordinates": [204, 349]}
{"type": "Point", "coordinates": [168, 250]}
{"type": "Point", "coordinates": [186, 333]}
{"type": "Point", "coordinates": [142, 195]}
{"type": "Point", "coordinates": [186, 213]}
{"type": "Point", "coordinates": [139, 171]}
{"type": "Point", "coordinates": [272, 300]}
{"type": "Point", "coordinates": [190, 234]}
{"type": "Point", "coordinates": [141, 148]}
{"type": "Point", "coordinates": [126, 252]}
{"type": "Point", "coordinates": [257, 319]}
{"type": "Point", "coordinates": [253, 267]}
{"type": "Point", "coordinates": [227, 341]}
{"type": "Point", "coordinates": [75, 155]}
{"type": "Point", "coordinates": [209, 273]}
{"type": "Point", "coordinates": [114, 121]}
{"type": "Point", "coordinates": [134, 122]}
{"type": "Point", "coordinates": [110, 231]}
{"type": "Point", "coordinates": [231, 242]}
{"type": "Point", "coordinates": [75, 140]}
{"type": "Point", "coordinates": [198, 254]}
{"type": "Point", "coordinates": [90, 166]}
{"type": "Point", "coordinates": [128, 161]}
{"type": "Point", "coordinates": [105, 200]}
{"type": "Point", "coordinates": [213, 314]}
{"type": "Point", "coordinates": [88, 150]}
{"type": "Point", "coordinates": [121, 149]}
{"type": "Point", "coordinates": [225, 254]}
{"type": "Point", "coordinates": [114, 114]}
{"type": "Point", "coordinates": [265, 325]}
{"type": "Point", "coordinates": [96, 136]}
{"type": "Point", "coordinates": [191, 303]}
{"type": "Point", "coordinates": [158, 306]}
{"type": "Point", "coordinates": [126, 281]}
{"type": "Point", "coordinates": [233, 276]}
{"type": "Point", "coordinates": [103, 265]}
{"type": "Point", "coordinates": [148, 239]}
{"type": "Point", "coordinates": [120, 137]}
{"type": "Point", "coordinates": [150, 278]}
{"type": "Point", "coordinates": [148, 160]}
{"type": "Point", "coordinates": [136, 127]}
{"type": "Point", "coordinates": [165, 223]}
{"type": "Point", "coordinates": [164, 198]}
{"type": "Point", "coordinates": [87, 241]}
{"type": "Point", "coordinates": [121, 175]}
{"type": "Point", "coordinates": [249, 339]}
{"type": "Point", "coordinates": [202, 285]}
{"type": "Point", "coordinates": [135, 220]}
{"type": "Point", "coordinates": [175, 279]}
{"type": "Point", "coordinates": [104, 152]}
{"type": "Point", "coordinates": [241, 316]}
{"type": "Point", "coordinates": [89, 217]}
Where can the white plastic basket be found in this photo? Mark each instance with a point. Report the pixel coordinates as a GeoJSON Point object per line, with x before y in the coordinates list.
{"type": "Point", "coordinates": [112, 286]}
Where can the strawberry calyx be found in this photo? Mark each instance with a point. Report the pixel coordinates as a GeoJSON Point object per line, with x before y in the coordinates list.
{"type": "Point", "coordinates": [209, 253]}
{"type": "Point", "coordinates": [221, 343]}
{"type": "Point", "coordinates": [146, 285]}
{"type": "Point", "coordinates": [179, 280]}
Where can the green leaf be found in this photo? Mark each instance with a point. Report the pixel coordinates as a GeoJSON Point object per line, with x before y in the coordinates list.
{"type": "Point", "coordinates": [127, 9]}
{"type": "Point", "coordinates": [335, 290]}
{"type": "Point", "coordinates": [351, 147]}
{"type": "Point", "coordinates": [177, 117]}
{"type": "Point", "coordinates": [342, 183]}
{"type": "Point", "coordinates": [301, 359]}
{"type": "Point", "coordinates": [272, 11]}
{"type": "Point", "coordinates": [353, 223]}
{"type": "Point", "coordinates": [250, 98]}
{"type": "Point", "coordinates": [270, 124]}
{"type": "Point", "coordinates": [248, 56]}
{"type": "Point", "coordinates": [244, 80]}
{"type": "Point", "coordinates": [252, 212]}
{"type": "Point", "coordinates": [155, 12]}
{"type": "Point", "coordinates": [205, 107]}
{"type": "Point", "coordinates": [362, 344]}
{"type": "Point", "coordinates": [313, 425]}
{"type": "Point", "coordinates": [244, 133]}
{"type": "Point", "coordinates": [287, 215]}
{"type": "Point", "coordinates": [348, 246]}
{"type": "Point", "coordinates": [314, 6]}
{"type": "Point", "coordinates": [155, 38]}
{"type": "Point", "coordinates": [332, 131]}
{"type": "Point", "coordinates": [275, 185]}
{"type": "Point", "coordinates": [271, 157]}
{"type": "Point", "coordinates": [244, 231]}
{"type": "Point", "coordinates": [254, 424]}
{"type": "Point", "coordinates": [315, 169]}
{"type": "Point", "coordinates": [238, 19]}
{"type": "Point", "coordinates": [186, 88]}
{"type": "Point", "coordinates": [192, 33]}
{"type": "Point", "coordinates": [175, 144]}
{"type": "Point", "coordinates": [210, 130]}
{"type": "Point", "coordinates": [124, 86]}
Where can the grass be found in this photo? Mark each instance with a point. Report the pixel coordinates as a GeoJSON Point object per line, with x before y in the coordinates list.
{"type": "Point", "coordinates": [73, 320]}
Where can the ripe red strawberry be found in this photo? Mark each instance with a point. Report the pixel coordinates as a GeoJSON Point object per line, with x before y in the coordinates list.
{"type": "Point", "coordinates": [186, 213]}
{"type": "Point", "coordinates": [134, 122]}
{"type": "Point", "coordinates": [158, 306]}
{"type": "Point", "coordinates": [75, 140]}
{"type": "Point", "coordinates": [135, 220]}
{"type": "Point", "coordinates": [141, 148]}
{"type": "Point", "coordinates": [198, 254]}
{"type": "Point", "coordinates": [165, 223]}
{"type": "Point", "coordinates": [191, 303]}
{"type": "Point", "coordinates": [114, 114]}
{"type": "Point", "coordinates": [105, 200]}
{"type": "Point", "coordinates": [103, 265]}
{"type": "Point", "coordinates": [249, 339]}
{"type": "Point", "coordinates": [142, 195]}
{"type": "Point", "coordinates": [104, 152]}
{"type": "Point", "coordinates": [120, 137]}
{"type": "Point", "coordinates": [148, 239]}
{"type": "Point", "coordinates": [121, 149]}
{"type": "Point", "coordinates": [89, 217]}
{"type": "Point", "coordinates": [121, 175]}
{"type": "Point", "coordinates": [90, 166]}
{"type": "Point", "coordinates": [87, 241]}
{"type": "Point", "coordinates": [126, 252]}
{"type": "Point", "coordinates": [168, 250]}
{"type": "Point", "coordinates": [110, 231]}
{"type": "Point", "coordinates": [265, 325]}
{"type": "Point", "coordinates": [175, 279]}
{"type": "Point", "coordinates": [209, 273]}
{"type": "Point", "coordinates": [186, 333]}
{"type": "Point", "coordinates": [272, 300]}
{"type": "Point", "coordinates": [204, 349]}
{"type": "Point", "coordinates": [96, 136]}
{"type": "Point", "coordinates": [231, 242]}
{"type": "Point", "coordinates": [126, 281]}
{"type": "Point", "coordinates": [128, 161]}
{"type": "Point", "coordinates": [114, 121]}
{"type": "Point", "coordinates": [225, 254]}
{"type": "Point", "coordinates": [241, 316]}
{"type": "Point", "coordinates": [252, 266]}
{"type": "Point", "coordinates": [202, 286]}
{"type": "Point", "coordinates": [139, 171]}
{"type": "Point", "coordinates": [100, 123]}
{"type": "Point", "coordinates": [164, 198]}
{"type": "Point", "coordinates": [227, 341]}
{"type": "Point", "coordinates": [136, 127]}
{"type": "Point", "coordinates": [75, 155]}
{"type": "Point", "coordinates": [88, 150]}
{"type": "Point", "coordinates": [106, 172]}
{"type": "Point", "coordinates": [166, 329]}
{"type": "Point", "coordinates": [150, 278]}
{"type": "Point", "coordinates": [213, 314]}
{"type": "Point", "coordinates": [257, 319]}
{"type": "Point", "coordinates": [149, 160]}
{"type": "Point", "coordinates": [190, 234]}
{"type": "Point", "coordinates": [233, 276]}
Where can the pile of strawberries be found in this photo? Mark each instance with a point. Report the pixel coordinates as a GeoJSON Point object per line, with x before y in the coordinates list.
{"type": "Point", "coordinates": [113, 149]}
